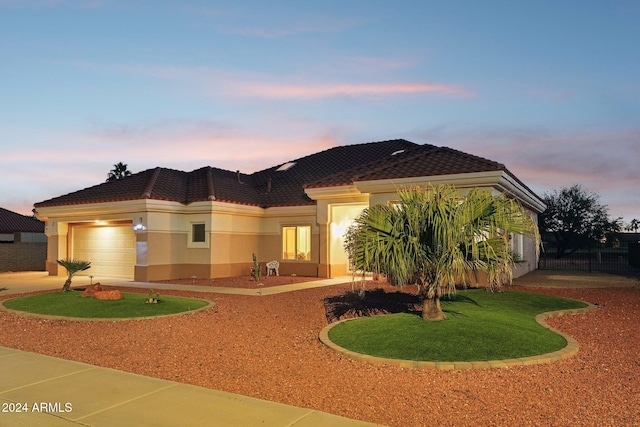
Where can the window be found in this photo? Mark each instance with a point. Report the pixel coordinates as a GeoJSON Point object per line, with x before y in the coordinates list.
{"type": "Point", "coordinates": [6, 238]}
{"type": "Point", "coordinates": [516, 245]}
{"type": "Point", "coordinates": [286, 166]}
{"type": "Point", "coordinates": [296, 243]}
{"type": "Point", "coordinates": [197, 233]}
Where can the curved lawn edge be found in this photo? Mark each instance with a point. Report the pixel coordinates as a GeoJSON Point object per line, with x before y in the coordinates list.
{"type": "Point", "coordinates": [102, 319]}
{"type": "Point", "coordinates": [564, 353]}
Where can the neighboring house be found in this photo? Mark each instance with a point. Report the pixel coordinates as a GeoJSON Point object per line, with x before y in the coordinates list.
{"type": "Point", "coordinates": [624, 239]}
{"type": "Point", "coordinates": [164, 223]}
{"type": "Point", "coordinates": [23, 244]}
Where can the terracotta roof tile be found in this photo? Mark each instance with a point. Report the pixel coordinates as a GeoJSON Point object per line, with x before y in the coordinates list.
{"type": "Point", "coordinates": [12, 222]}
{"type": "Point", "coordinates": [287, 187]}
{"type": "Point", "coordinates": [272, 187]}
{"type": "Point", "coordinates": [234, 187]}
{"type": "Point", "coordinates": [430, 161]}
{"type": "Point", "coordinates": [128, 188]}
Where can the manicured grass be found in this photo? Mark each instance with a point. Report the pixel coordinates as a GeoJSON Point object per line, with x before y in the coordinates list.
{"type": "Point", "coordinates": [70, 304]}
{"type": "Point", "coordinates": [480, 326]}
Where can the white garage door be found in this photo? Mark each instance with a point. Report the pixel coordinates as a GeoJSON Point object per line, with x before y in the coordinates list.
{"type": "Point", "coordinates": [110, 248]}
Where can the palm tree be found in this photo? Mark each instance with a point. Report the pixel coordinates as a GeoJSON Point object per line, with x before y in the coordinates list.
{"type": "Point", "coordinates": [73, 266]}
{"type": "Point", "coordinates": [435, 239]}
{"type": "Point", "coordinates": [119, 171]}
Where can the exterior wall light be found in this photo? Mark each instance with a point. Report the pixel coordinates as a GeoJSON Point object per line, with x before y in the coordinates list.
{"type": "Point", "coordinates": [139, 226]}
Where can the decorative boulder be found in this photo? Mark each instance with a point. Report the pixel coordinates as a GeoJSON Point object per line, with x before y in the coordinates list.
{"type": "Point", "coordinates": [108, 295]}
{"type": "Point", "coordinates": [91, 291]}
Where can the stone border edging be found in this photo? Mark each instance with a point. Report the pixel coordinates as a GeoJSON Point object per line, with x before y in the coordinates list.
{"type": "Point", "coordinates": [100, 319]}
{"type": "Point", "coordinates": [564, 353]}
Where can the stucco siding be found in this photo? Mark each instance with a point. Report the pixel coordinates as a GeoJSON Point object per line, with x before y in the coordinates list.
{"type": "Point", "coordinates": [233, 248]}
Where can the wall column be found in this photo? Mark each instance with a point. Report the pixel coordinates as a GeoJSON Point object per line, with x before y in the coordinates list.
{"type": "Point", "coordinates": [324, 269]}
{"type": "Point", "coordinates": [57, 246]}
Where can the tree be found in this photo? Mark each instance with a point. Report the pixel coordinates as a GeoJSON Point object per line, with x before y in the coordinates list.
{"type": "Point", "coordinates": [576, 218]}
{"type": "Point", "coordinates": [119, 171]}
{"type": "Point", "coordinates": [73, 266]}
{"type": "Point", "coordinates": [634, 225]}
{"type": "Point", "coordinates": [435, 239]}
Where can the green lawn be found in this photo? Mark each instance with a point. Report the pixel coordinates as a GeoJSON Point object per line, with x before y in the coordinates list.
{"type": "Point", "coordinates": [70, 304]}
{"type": "Point", "coordinates": [480, 326]}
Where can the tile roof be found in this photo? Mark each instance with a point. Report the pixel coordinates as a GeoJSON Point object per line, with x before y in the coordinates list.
{"type": "Point", "coordinates": [165, 184]}
{"type": "Point", "coordinates": [421, 160]}
{"type": "Point", "coordinates": [336, 166]}
{"type": "Point", "coordinates": [12, 222]}
{"type": "Point", "coordinates": [287, 187]}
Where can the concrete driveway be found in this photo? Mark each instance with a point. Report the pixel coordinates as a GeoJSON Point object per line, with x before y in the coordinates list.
{"type": "Point", "coordinates": [31, 281]}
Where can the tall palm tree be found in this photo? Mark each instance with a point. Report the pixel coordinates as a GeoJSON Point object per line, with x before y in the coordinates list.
{"type": "Point", "coordinates": [119, 171]}
{"type": "Point", "coordinates": [73, 266]}
{"type": "Point", "coordinates": [435, 239]}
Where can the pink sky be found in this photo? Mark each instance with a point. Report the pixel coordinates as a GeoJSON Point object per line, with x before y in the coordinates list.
{"type": "Point", "coordinates": [249, 85]}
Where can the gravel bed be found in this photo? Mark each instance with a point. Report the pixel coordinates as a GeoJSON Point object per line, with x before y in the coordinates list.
{"type": "Point", "coordinates": [267, 347]}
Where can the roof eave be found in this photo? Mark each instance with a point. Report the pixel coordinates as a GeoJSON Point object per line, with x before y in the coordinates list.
{"type": "Point", "coordinates": [333, 192]}
{"type": "Point", "coordinates": [460, 180]}
{"type": "Point", "coordinates": [509, 184]}
{"type": "Point", "coordinates": [501, 180]}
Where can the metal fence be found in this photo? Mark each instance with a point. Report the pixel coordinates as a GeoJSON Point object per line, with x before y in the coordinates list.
{"type": "Point", "coordinates": [612, 260]}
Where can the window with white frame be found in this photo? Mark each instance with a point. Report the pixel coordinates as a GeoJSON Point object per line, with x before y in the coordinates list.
{"type": "Point", "coordinates": [296, 242]}
{"type": "Point", "coordinates": [198, 233]}
{"type": "Point", "coordinates": [198, 236]}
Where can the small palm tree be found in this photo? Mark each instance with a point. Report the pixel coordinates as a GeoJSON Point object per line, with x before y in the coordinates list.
{"type": "Point", "coordinates": [119, 171]}
{"type": "Point", "coordinates": [435, 239]}
{"type": "Point", "coordinates": [73, 266]}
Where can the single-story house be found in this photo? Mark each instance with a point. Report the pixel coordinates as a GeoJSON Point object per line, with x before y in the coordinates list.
{"type": "Point", "coordinates": [165, 224]}
{"type": "Point", "coordinates": [23, 244]}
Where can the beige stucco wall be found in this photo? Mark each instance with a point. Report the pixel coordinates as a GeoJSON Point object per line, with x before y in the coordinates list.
{"type": "Point", "coordinates": [164, 248]}
{"type": "Point", "coordinates": [331, 202]}
{"type": "Point", "coordinates": [270, 241]}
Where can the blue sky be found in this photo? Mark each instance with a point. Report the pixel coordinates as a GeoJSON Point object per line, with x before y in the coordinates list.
{"type": "Point", "coordinates": [549, 88]}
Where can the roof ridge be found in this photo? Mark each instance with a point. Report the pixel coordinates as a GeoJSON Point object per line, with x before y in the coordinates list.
{"type": "Point", "coordinates": [152, 181]}
{"type": "Point", "coordinates": [464, 153]}
{"type": "Point", "coordinates": [210, 186]}
{"type": "Point", "coordinates": [404, 157]}
{"type": "Point", "coordinates": [337, 147]}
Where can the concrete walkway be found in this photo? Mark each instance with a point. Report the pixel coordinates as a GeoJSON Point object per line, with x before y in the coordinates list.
{"type": "Point", "coordinates": [38, 390]}
{"type": "Point", "coordinates": [22, 282]}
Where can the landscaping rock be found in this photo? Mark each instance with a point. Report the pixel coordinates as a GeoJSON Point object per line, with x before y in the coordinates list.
{"type": "Point", "coordinates": [90, 292]}
{"type": "Point", "coordinates": [108, 295]}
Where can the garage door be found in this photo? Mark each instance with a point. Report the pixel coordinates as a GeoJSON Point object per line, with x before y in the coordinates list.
{"type": "Point", "coordinates": [110, 248]}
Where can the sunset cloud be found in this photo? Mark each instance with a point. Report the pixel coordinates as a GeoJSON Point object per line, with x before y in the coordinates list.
{"type": "Point", "coordinates": [249, 85]}
{"type": "Point", "coordinates": [216, 82]}
{"type": "Point", "coordinates": [89, 154]}
{"type": "Point", "coordinates": [285, 91]}
{"type": "Point", "coordinates": [604, 161]}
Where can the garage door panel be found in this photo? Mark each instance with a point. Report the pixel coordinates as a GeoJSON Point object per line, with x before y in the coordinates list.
{"type": "Point", "coordinates": [111, 249]}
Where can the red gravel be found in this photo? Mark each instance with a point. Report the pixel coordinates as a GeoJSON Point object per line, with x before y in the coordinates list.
{"type": "Point", "coordinates": [267, 347]}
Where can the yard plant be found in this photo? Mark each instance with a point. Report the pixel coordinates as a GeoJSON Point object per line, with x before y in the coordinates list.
{"type": "Point", "coordinates": [481, 326]}
{"type": "Point", "coordinates": [73, 266]}
{"type": "Point", "coordinates": [71, 304]}
{"type": "Point", "coordinates": [436, 239]}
